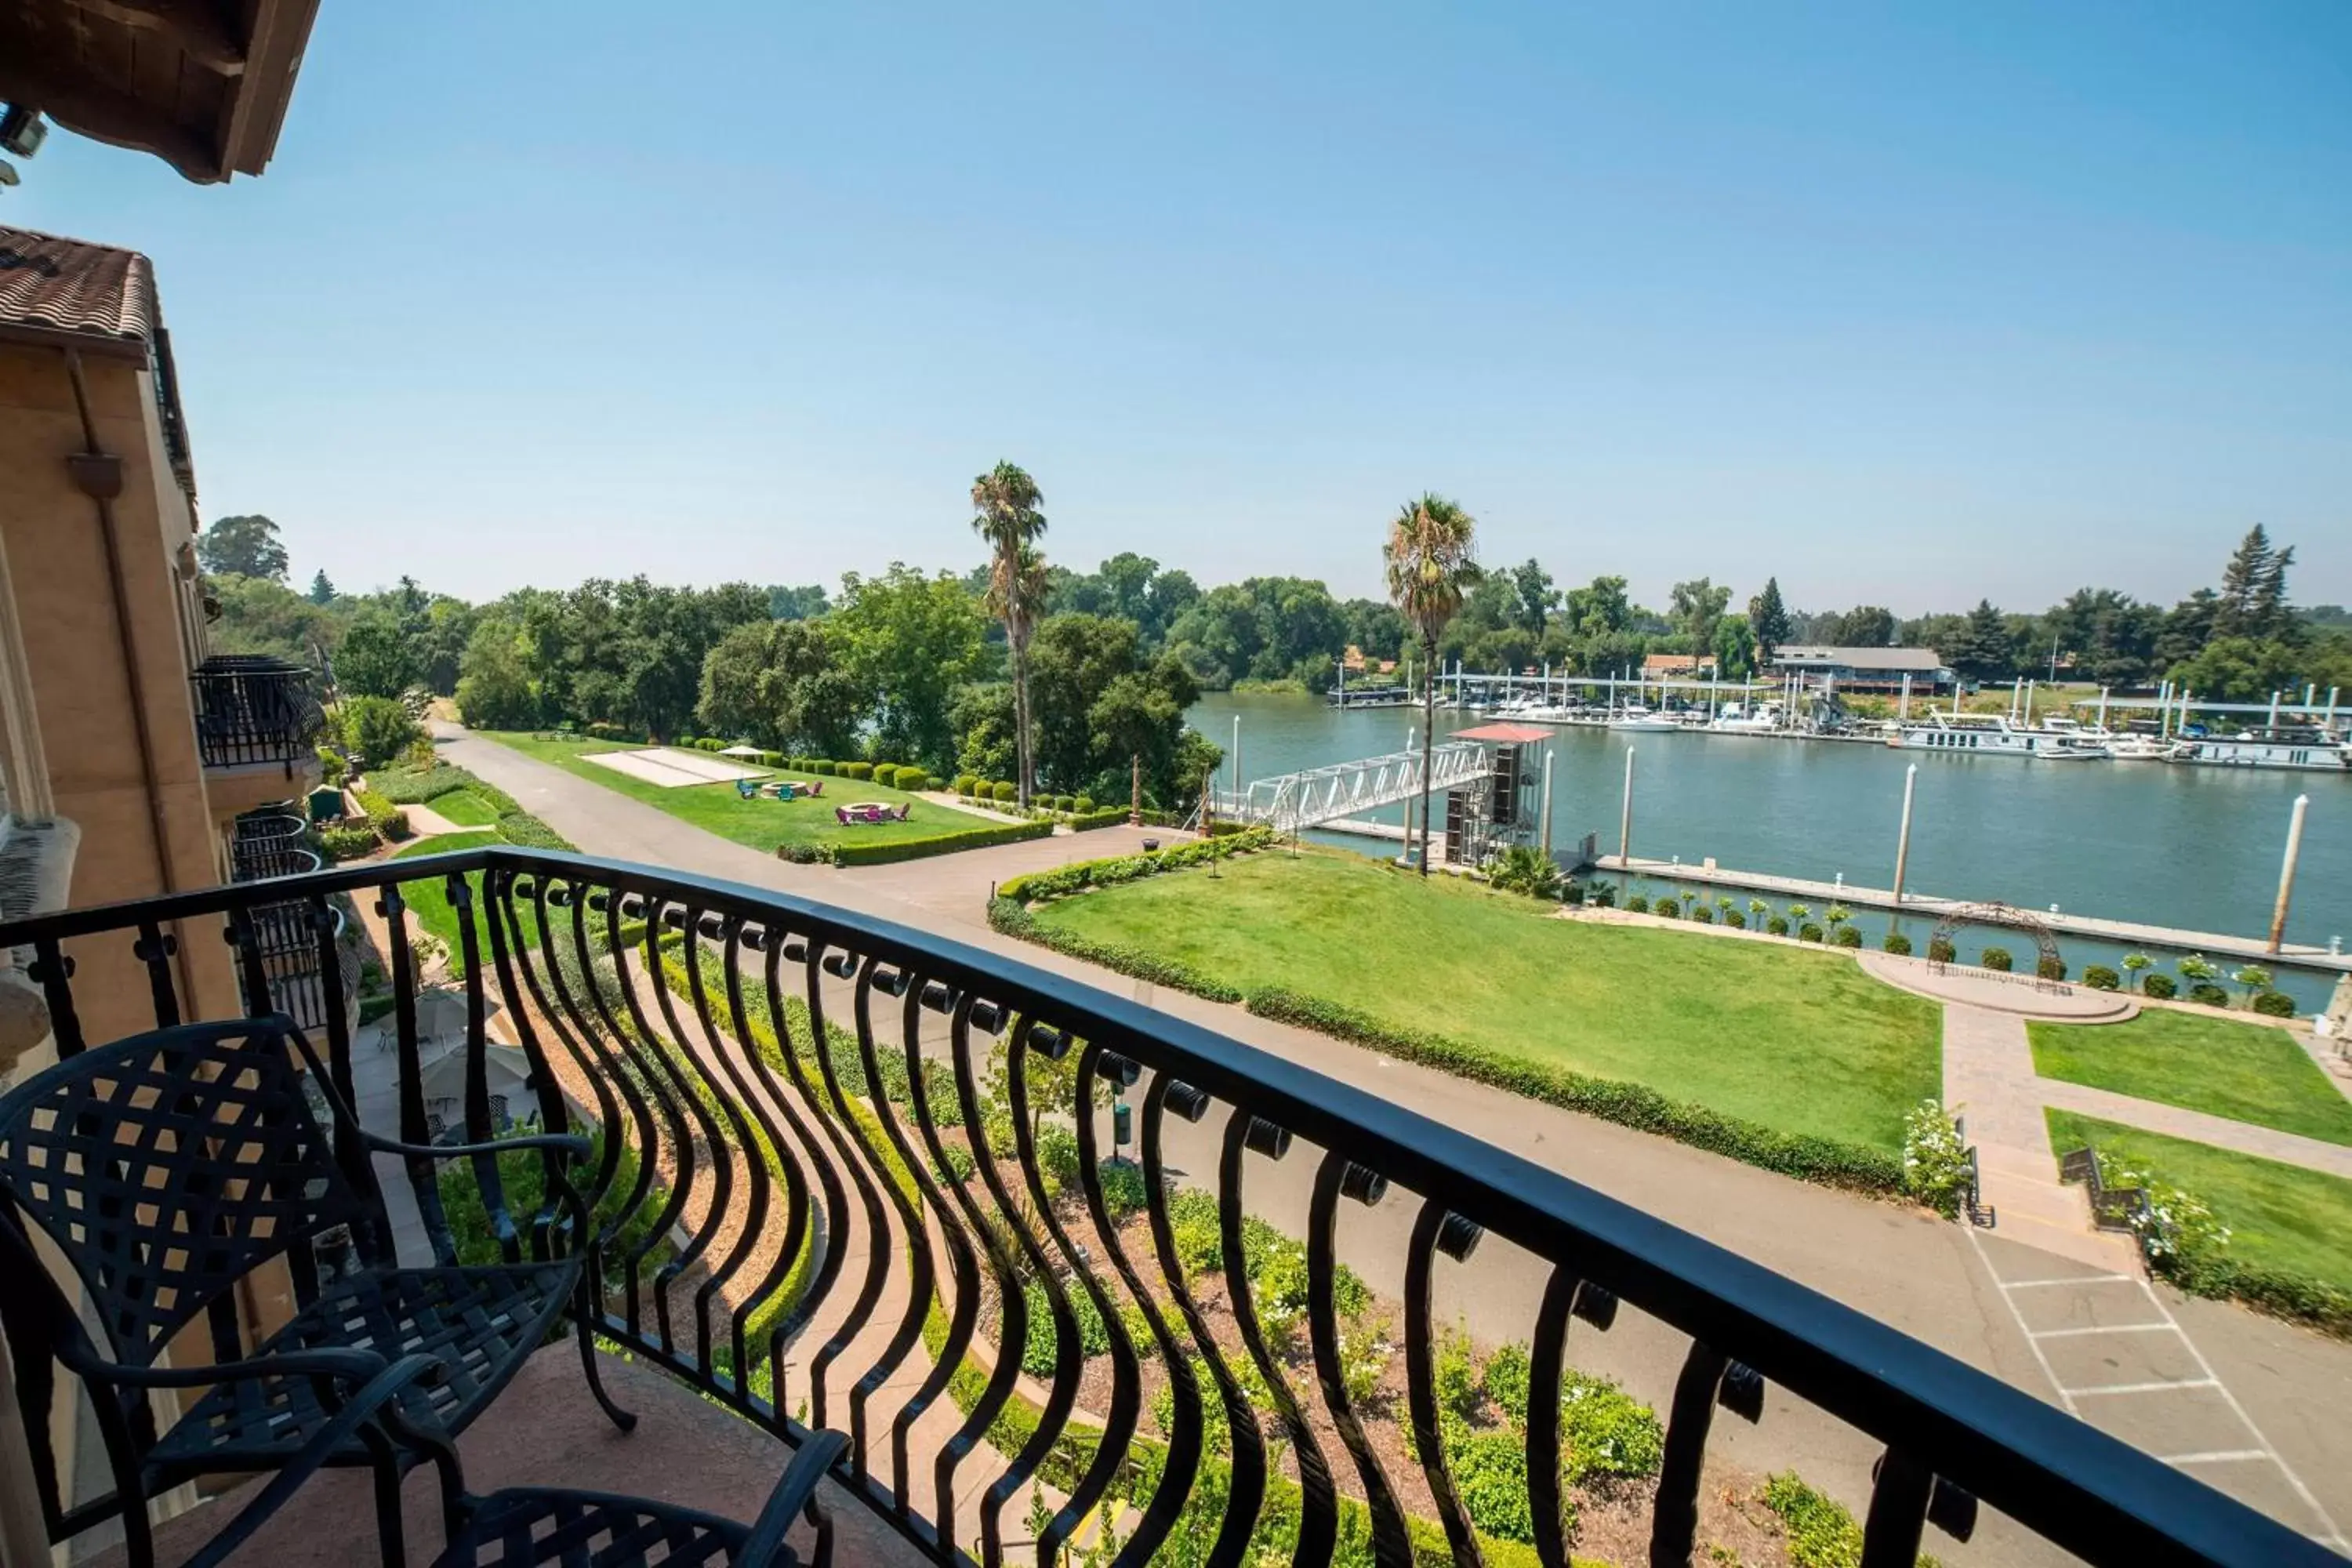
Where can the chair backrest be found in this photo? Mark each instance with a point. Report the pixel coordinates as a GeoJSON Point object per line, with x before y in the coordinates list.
{"type": "Point", "coordinates": [168, 1166]}
{"type": "Point", "coordinates": [746, 788]}
{"type": "Point", "coordinates": [841, 815]}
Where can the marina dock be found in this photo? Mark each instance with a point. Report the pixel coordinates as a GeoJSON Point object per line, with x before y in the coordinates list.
{"type": "Point", "coordinates": [2129, 934]}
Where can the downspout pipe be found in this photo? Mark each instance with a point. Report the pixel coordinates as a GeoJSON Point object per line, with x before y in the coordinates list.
{"type": "Point", "coordinates": [98, 473]}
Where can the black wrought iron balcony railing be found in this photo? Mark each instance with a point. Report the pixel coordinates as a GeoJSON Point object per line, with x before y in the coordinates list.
{"type": "Point", "coordinates": [272, 843]}
{"type": "Point", "coordinates": [251, 708]}
{"type": "Point", "coordinates": [825, 1190]}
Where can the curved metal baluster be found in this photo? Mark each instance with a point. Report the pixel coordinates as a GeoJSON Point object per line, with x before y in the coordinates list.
{"type": "Point", "coordinates": [698, 1094]}
{"type": "Point", "coordinates": [1013, 1301]}
{"type": "Point", "coordinates": [154, 949]}
{"type": "Point", "coordinates": [827, 1223]}
{"type": "Point", "coordinates": [1069, 1356]}
{"type": "Point", "coordinates": [610, 1042]}
{"type": "Point", "coordinates": [1674, 1517]}
{"type": "Point", "coordinates": [1337, 1175]}
{"type": "Point", "coordinates": [737, 1064]}
{"type": "Point", "coordinates": [1247, 1488]}
{"type": "Point", "coordinates": [1546, 1373]}
{"type": "Point", "coordinates": [865, 1162]}
{"type": "Point", "coordinates": [1319, 1514]}
{"type": "Point", "coordinates": [1126, 1377]}
{"type": "Point", "coordinates": [353, 1153]}
{"type": "Point", "coordinates": [1898, 1512]}
{"type": "Point", "coordinates": [637, 1040]}
{"type": "Point", "coordinates": [460, 892]}
{"type": "Point", "coordinates": [1184, 1444]}
{"type": "Point", "coordinates": [920, 1269]}
{"type": "Point", "coordinates": [668, 1048]}
{"type": "Point", "coordinates": [602, 1068]}
{"type": "Point", "coordinates": [1431, 1228]}
{"type": "Point", "coordinates": [963, 1263]}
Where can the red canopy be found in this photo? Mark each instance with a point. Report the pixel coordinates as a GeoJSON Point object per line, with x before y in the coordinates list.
{"type": "Point", "coordinates": [1509, 734]}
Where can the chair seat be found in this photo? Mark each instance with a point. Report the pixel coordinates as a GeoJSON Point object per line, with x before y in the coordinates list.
{"type": "Point", "coordinates": [482, 1324]}
{"type": "Point", "coordinates": [522, 1528]}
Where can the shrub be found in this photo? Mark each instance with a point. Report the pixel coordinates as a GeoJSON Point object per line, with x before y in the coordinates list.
{"type": "Point", "coordinates": [859, 771]}
{"type": "Point", "coordinates": [2274, 1004]}
{"type": "Point", "coordinates": [525, 831]}
{"type": "Point", "coordinates": [348, 843]}
{"type": "Point", "coordinates": [1107, 873]}
{"type": "Point", "coordinates": [1809, 932]}
{"type": "Point", "coordinates": [1996, 959]}
{"type": "Point", "coordinates": [414, 786]}
{"type": "Point", "coordinates": [379, 729]}
{"type": "Point", "coordinates": [2050, 966]}
{"type": "Point", "coordinates": [805, 854]}
{"type": "Point", "coordinates": [1507, 1375]}
{"type": "Point", "coordinates": [1602, 895]}
{"type": "Point", "coordinates": [1606, 1432]}
{"type": "Point", "coordinates": [2160, 987]}
{"type": "Point", "coordinates": [384, 819]}
{"type": "Point", "coordinates": [1062, 802]}
{"type": "Point", "coordinates": [1087, 822]}
{"type": "Point", "coordinates": [1637, 905]}
{"type": "Point", "coordinates": [1057, 1157]}
{"type": "Point", "coordinates": [1735, 920]}
{"type": "Point", "coordinates": [963, 782]}
{"type": "Point", "coordinates": [1848, 936]}
{"type": "Point", "coordinates": [1490, 1476]}
{"type": "Point", "coordinates": [1003, 793]}
{"type": "Point", "coordinates": [1821, 1533]}
{"type": "Point", "coordinates": [1776, 926]}
{"type": "Point", "coordinates": [885, 852]}
{"type": "Point", "coordinates": [1037, 1353]}
{"type": "Point", "coordinates": [1935, 1161]}
{"type": "Point", "coordinates": [1898, 944]}
{"type": "Point", "coordinates": [1083, 805]}
{"type": "Point", "coordinates": [2209, 994]}
{"type": "Point", "coordinates": [330, 766]}
{"type": "Point", "coordinates": [1523, 868]}
{"type": "Point", "coordinates": [2099, 977]}
{"type": "Point", "coordinates": [1666, 910]}
{"type": "Point", "coordinates": [1704, 915]}
{"type": "Point", "coordinates": [1123, 1187]}
{"type": "Point", "coordinates": [820, 767]}
{"type": "Point", "coordinates": [885, 774]}
{"type": "Point", "coordinates": [1940, 950]}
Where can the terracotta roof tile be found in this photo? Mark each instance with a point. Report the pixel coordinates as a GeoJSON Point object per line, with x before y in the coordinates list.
{"type": "Point", "coordinates": [73, 286]}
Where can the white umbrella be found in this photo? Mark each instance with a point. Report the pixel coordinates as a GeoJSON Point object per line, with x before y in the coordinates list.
{"type": "Point", "coordinates": [739, 751]}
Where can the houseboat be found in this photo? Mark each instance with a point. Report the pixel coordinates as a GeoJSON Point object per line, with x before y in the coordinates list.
{"type": "Point", "coordinates": [2278, 746]}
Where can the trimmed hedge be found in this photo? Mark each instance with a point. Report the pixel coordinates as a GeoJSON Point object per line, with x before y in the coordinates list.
{"type": "Point", "coordinates": [385, 819]}
{"type": "Point", "coordinates": [1898, 944]}
{"type": "Point", "coordinates": [1114, 869]}
{"type": "Point", "coordinates": [2099, 977]}
{"type": "Point", "coordinates": [348, 843]}
{"type": "Point", "coordinates": [2159, 986]}
{"type": "Point", "coordinates": [1808, 1158]}
{"type": "Point", "coordinates": [1847, 937]}
{"type": "Point", "coordinates": [2274, 1004]}
{"type": "Point", "coordinates": [2206, 994]}
{"type": "Point", "coordinates": [1002, 792]}
{"type": "Point", "coordinates": [414, 786]}
{"type": "Point", "coordinates": [1087, 821]}
{"type": "Point", "coordinates": [2295, 1297]}
{"type": "Point", "coordinates": [525, 831]}
{"type": "Point", "coordinates": [885, 852]}
{"type": "Point", "coordinates": [1013, 918]}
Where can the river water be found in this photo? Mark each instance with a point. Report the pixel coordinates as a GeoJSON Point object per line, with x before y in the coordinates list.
{"type": "Point", "coordinates": [2195, 848]}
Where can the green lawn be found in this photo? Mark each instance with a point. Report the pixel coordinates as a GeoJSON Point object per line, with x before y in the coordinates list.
{"type": "Point", "coordinates": [762, 824]}
{"type": "Point", "coordinates": [465, 809]}
{"type": "Point", "coordinates": [2280, 1216]}
{"type": "Point", "coordinates": [429, 897]}
{"type": "Point", "coordinates": [2247, 1072]}
{"type": "Point", "coordinates": [1800, 1041]}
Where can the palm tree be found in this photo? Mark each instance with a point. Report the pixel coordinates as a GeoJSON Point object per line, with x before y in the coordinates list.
{"type": "Point", "coordinates": [1004, 503]}
{"type": "Point", "coordinates": [1432, 563]}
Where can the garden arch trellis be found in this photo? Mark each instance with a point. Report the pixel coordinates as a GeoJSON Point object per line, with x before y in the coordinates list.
{"type": "Point", "coordinates": [2006, 916]}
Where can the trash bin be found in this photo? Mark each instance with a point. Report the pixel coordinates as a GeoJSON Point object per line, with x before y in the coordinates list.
{"type": "Point", "coordinates": [1121, 1128]}
{"type": "Point", "coordinates": [326, 805]}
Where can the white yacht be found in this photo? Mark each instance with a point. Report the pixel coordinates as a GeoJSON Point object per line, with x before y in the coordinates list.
{"type": "Point", "coordinates": [2302, 747]}
{"type": "Point", "coordinates": [1735, 719]}
{"type": "Point", "coordinates": [2065, 739]}
{"type": "Point", "coordinates": [2136, 748]}
{"type": "Point", "coordinates": [1639, 720]}
{"type": "Point", "coordinates": [1980, 733]}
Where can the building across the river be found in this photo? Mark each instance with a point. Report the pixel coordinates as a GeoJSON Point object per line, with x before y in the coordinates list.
{"type": "Point", "coordinates": [1870, 669]}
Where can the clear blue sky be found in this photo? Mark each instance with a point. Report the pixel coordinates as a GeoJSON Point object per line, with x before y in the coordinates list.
{"type": "Point", "coordinates": [1907, 304]}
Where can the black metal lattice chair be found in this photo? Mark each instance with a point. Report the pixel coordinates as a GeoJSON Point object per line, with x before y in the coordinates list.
{"type": "Point", "coordinates": [530, 1529]}
{"type": "Point", "coordinates": [167, 1168]}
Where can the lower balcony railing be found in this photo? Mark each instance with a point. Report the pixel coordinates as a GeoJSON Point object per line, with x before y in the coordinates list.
{"type": "Point", "coordinates": [844, 1171]}
{"type": "Point", "coordinates": [271, 843]}
{"type": "Point", "coordinates": [251, 710]}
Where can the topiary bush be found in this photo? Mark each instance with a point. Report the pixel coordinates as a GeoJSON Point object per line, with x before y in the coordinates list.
{"type": "Point", "coordinates": [1083, 805]}
{"type": "Point", "coordinates": [1666, 910]}
{"type": "Point", "coordinates": [2050, 966]}
{"type": "Point", "coordinates": [1704, 915]}
{"type": "Point", "coordinates": [2159, 986]}
{"type": "Point", "coordinates": [2099, 977]}
{"type": "Point", "coordinates": [1898, 943]}
{"type": "Point", "coordinates": [1735, 920]}
{"type": "Point", "coordinates": [963, 782]}
{"type": "Point", "coordinates": [1003, 793]}
{"type": "Point", "coordinates": [1777, 925]}
{"type": "Point", "coordinates": [2209, 994]}
{"type": "Point", "coordinates": [1637, 905]}
{"type": "Point", "coordinates": [1847, 936]}
{"type": "Point", "coordinates": [1996, 959]}
{"type": "Point", "coordinates": [859, 771]}
{"type": "Point", "coordinates": [2274, 1004]}
{"type": "Point", "coordinates": [1940, 950]}
{"type": "Point", "coordinates": [821, 767]}
{"type": "Point", "coordinates": [1809, 932]}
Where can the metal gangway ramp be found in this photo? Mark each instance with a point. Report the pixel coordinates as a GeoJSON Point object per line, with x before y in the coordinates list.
{"type": "Point", "coordinates": [1293, 801]}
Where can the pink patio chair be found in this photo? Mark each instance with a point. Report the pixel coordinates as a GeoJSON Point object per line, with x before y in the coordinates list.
{"type": "Point", "coordinates": [841, 815]}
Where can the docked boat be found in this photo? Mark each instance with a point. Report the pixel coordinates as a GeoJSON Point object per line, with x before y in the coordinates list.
{"type": "Point", "coordinates": [1980, 733]}
{"type": "Point", "coordinates": [2281, 746]}
{"type": "Point", "coordinates": [2139, 749]}
{"type": "Point", "coordinates": [1762, 720]}
{"type": "Point", "coordinates": [2073, 749]}
{"type": "Point", "coordinates": [1638, 720]}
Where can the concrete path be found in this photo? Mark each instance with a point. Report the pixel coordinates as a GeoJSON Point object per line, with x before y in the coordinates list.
{"type": "Point", "coordinates": [2268, 1142]}
{"type": "Point", "coordinates": [1935, 1281]}
{"type": "Point", "coordinates": [1989, 1082]}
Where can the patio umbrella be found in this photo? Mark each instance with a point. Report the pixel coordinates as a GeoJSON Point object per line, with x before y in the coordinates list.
{"type": "Point", "coordinates": [739, 751]}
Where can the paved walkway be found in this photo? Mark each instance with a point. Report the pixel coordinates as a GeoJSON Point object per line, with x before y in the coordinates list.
{"type": "Point", "coordinates": [2268, 1142]}
{"type": "Point", "coordinates": [1937, 1282]}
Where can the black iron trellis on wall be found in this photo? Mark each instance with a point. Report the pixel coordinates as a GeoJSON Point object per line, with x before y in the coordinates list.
{"type": "Point", "coordinates": [683, 1014]}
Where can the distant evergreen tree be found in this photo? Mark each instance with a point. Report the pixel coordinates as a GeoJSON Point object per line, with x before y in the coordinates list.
{"type": "Point", "coordinates": [2252, 600]}
{"type": "Point", "coordinates": [1767, 618]}
{"type": "Point", "coordinates": [1984, 649]}
{"type": "Point", "coordinates": [322, 592]}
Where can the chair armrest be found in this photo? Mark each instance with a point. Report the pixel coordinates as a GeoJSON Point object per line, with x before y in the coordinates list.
{"type": "Point", "coordinates": [574, 1141]}
{"type": "Point", "coordinates": [351, 1365]}
{"type": "Point", "coordinates": [818, 1453]}
{"type": "Point", "coordinates": [360, 1408]}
